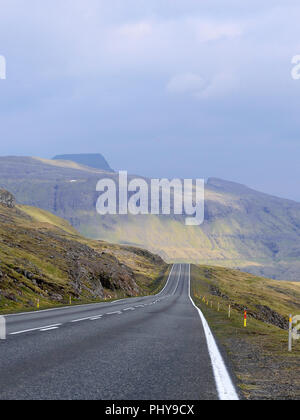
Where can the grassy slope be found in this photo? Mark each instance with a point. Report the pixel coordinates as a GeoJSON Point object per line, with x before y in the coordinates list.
{"type": "Point", "coordinates": [224, 242]}
{"type": "Point", "coordinates": [68, 164]}
{"type": "Point", "coordinates": [243, 228]}
{"type": "Point", "coordinates": [261, 362]}
{"type": "Point", "coordinates": [60, 262]}
{"type": "Point", "coordinates": [42, 216]}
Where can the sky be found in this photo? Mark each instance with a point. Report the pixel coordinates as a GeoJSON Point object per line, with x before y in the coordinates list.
{"type": "Point", "coordinates": [162, 88]}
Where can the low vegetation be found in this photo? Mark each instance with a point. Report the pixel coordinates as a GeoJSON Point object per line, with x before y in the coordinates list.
{"type": "Point", "coordinates": [243, 228]}
{"type": "Point", "coordinates": [259, 353]}
{"type": "Point", "coordinates": [44, 260]}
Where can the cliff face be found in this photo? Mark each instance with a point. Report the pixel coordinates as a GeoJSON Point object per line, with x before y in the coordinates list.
{"type": "Point", "coordinates": [243, 228]}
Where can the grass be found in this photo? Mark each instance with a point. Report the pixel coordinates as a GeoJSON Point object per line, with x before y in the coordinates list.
{"type": "Point", "coordinates": [220, 244]}
{"type": "Point", "coordinates": [43, 257]}
{"type": "Point", "coordinates": [151, 288]}
{"type": "Point", "coordinates": [243, 228]}
{"type": "Point", "coordinates": [42, 216]}
{"type": "Point", "coordinates": [68, 164]}
{"type": "Point", "coordinates": [259, 353]}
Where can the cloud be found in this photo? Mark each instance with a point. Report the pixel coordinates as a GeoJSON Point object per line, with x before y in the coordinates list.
{"type": "Point", "coordinates": [108, 72]}
{"type": "Point", "coordinates": [209, 30]}
{"type": "Point", "coordinates": [199, 88]}
{"type": "Point", "coordinates": [221, 84]}
{"type": "Point", "coordinates": [135, 30]}
{"type": "Point", "coordinates": [188, 83]}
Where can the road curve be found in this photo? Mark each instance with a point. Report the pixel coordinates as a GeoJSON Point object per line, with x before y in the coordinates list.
{"type": "Point", "coordinates": [147, 348]}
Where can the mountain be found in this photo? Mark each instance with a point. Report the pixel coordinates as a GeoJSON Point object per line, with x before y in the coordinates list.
{"type": "Point", "coordinates": [44, 257]}
{"type": "Point", "coordinates": [243, 228]}
{"type": "Point", "coordinates": [96, 161]}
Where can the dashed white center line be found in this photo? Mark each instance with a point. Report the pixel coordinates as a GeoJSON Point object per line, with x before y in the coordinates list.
{"type": "Point", "coordinates": [81, 319]}
{"type": "Point", "coordinates": [91, 318]}
{"type": "Point", "coordinates": [48, 327]}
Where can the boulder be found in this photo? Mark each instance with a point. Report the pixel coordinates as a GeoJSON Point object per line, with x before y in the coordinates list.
{"type": "Point", "coordinates": [7, 199]}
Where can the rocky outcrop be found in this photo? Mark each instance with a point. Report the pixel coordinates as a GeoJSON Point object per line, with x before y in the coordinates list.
{"type": "Point", "coordinates": [7, 199]}
{"type": "Point", "coordinates": [41, 260]}
{"type": "Point", "coordinates": [264, 314]}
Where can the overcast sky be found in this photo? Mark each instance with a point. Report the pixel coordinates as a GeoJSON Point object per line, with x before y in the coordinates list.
{"type": "Point", "coordinates": [186, 88]}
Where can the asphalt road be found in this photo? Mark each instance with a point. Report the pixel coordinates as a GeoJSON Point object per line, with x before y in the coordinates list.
{"type": "Point", "coordinates": [151, 348]}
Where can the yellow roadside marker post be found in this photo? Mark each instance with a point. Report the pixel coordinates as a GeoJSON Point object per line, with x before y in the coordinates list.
{"type": "Point", "coordinates": [70, 301]}
{"type": "Point", "coordinates": [229, 311]}
{"type": "Point", "coordinates": [245, 319]}
{"type": "Point", "coordinates": [38, 304]}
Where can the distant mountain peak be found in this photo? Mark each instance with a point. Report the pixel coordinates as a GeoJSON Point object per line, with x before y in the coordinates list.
{"type": "Point", "coordinates": [93, 160]}
{"type": "Point", "coordinates": [228, 186]}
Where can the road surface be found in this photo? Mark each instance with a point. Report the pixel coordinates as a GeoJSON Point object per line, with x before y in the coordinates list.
{"type": "Point", "coordinates": [149, 348]}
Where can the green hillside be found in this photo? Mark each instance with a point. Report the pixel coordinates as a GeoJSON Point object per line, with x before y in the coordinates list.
{"type": "Point", "coordinates": [243, 228]}
{"type": "Point", "coordinates": [43, 257]}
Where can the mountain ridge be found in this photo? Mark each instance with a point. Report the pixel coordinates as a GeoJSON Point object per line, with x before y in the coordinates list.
{"type": "Point", "coordinates": [242, 188]}
{"type": "Point", "coordinates": [243, 228]}
{"type": "Point", "coordinates": [93, 160]}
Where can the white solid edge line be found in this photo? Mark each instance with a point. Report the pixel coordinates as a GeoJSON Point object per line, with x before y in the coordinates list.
{"type": "Point", "coordinates": [56, 309]}
{"type": "Point", "coordinates": [167, 281]}
{"type": "Point", "coordinates": [225, 387]}
{"type": "Point", "coordinates": [80, 306]}
{"type": "Point", "coordinates": [175, 290]}
{"type": "Point", "coordinates": [61, 308]}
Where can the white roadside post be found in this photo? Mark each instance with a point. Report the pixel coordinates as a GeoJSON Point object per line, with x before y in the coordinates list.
{"type": "Point", "coordinates": [2, 328]}
{"type": "Point", "coordinates": [290, 332]}
{"type": "Point", "coordinates": [295, 330]}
